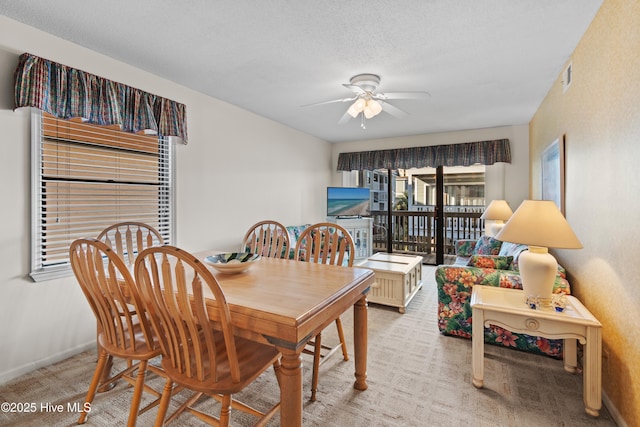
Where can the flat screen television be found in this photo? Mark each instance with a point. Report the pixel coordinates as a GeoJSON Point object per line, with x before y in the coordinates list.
{"type": "Point", "coordinates": [348, 201]}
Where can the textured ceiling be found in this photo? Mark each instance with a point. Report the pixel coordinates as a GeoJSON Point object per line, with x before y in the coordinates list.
{"type": "Point", "coordinates": [485, 63]}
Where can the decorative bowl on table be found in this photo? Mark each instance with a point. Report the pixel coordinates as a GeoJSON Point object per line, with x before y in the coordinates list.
{"type": "Point", "coordinates": [232, 262]}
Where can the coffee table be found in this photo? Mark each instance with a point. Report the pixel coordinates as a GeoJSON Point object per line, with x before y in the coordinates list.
{"type": "Point", "coordinates": [507, 309]}
{"type": "Point", "coordinates": [398, 278]}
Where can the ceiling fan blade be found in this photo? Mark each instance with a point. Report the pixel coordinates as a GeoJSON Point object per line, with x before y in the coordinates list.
{"type": "Point", "coordinates": [402, 95]}
{"type": "Point", "coordinates": [353, 98]}
{"type": "Point", "coordinates": [357, 89]}
{"type": "Point", "coordinates": [344, 119]}
{"type": "Point", "coordinates": [393, 110]}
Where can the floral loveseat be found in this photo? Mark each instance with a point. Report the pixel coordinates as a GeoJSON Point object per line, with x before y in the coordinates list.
{"type": "Point", "coordinates": [294, 233]}
{"type": "Point", "coordinates": [487, 262]}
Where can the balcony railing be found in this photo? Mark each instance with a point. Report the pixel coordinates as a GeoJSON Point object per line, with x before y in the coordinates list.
{"type": "Point", "coordinates": [414, 231]}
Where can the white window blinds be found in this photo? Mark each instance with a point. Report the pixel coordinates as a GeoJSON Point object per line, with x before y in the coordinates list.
{"type": "Point", "coordinates": [88, 177]}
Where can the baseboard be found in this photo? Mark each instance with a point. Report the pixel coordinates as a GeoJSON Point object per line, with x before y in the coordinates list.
{"type": "Point", "coordinates": [32, 366]}
{"type": "Point", "coordinates": [613, 411]}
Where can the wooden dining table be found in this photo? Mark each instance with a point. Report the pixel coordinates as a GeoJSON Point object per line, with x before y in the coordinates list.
{"type": "Point", "coordinates": [286, 303]}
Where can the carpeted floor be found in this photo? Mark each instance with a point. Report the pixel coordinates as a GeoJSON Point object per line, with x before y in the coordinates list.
{"type": "Point", "coordinates": [416, 377]}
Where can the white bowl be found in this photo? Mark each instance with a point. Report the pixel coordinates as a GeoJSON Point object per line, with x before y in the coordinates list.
{"type": "Point", "coordinates": [232, 262]}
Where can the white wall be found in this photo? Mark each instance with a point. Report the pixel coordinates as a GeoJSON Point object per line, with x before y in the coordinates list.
{"type": "Point", "coordinates": [238, 168]}
{"type": "Point", "coordinates": [508, 181]}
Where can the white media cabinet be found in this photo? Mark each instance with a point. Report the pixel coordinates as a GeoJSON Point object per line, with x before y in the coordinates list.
{"type": "Point", "coordinates": [361, 230]}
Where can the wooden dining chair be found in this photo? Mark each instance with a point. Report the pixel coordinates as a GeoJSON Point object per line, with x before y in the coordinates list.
{"type": "Point", "coordinates": [129, 238]}
{"type": "Point", "coordinates": [325, 243]}
{"type": "Point", "coordinates": [267, 238]}
{"type": "Point", "coordinates": [124, 330]}
{"type": "Point", "coordinates": [196, 335]}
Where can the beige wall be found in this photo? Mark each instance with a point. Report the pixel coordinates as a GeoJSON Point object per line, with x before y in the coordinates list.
{"type": "Point", "coordinates": [237, 169]}
{"type": "Point", "coordinates": [599, 115]}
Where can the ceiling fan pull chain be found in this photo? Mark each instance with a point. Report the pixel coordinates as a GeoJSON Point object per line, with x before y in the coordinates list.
{"type": "Point", "coordinates": [362, 119]}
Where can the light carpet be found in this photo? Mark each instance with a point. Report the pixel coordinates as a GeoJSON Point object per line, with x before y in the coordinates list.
{"type": "Point", "coordinates": [416, 377]}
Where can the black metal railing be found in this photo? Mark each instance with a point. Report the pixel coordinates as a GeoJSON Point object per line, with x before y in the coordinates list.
{"type": "Point", "coordinates": [414, 231]}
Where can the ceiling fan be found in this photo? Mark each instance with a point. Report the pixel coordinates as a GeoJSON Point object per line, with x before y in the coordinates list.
{"type": "Point", "coordinates": [368, 102]}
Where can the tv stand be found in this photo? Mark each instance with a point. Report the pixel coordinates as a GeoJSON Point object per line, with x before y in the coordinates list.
{"type": "Point", "coordinates": [361, 230]}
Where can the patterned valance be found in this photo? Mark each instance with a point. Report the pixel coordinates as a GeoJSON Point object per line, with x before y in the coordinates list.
{"type": "Point", "coordinates": [66, 92]}
{"type": "Point", "coordinates": [465, 154]}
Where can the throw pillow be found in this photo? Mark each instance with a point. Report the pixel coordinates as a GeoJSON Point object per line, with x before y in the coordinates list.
{"type": "Point", "coordinates": [465, 247]}
{"type": "Point", "coordinates": [490, 261]}
{"type": "Point", "coordinates": [487, 246]}
{"type": "Point", "coordinates": [513, 249]}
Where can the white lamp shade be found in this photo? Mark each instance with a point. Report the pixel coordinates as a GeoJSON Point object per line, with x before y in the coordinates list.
{"type": "Point", "coordinates": [497, 210]}
{"type": "Point", "coordinates": [369, 107]}
{"type": "Point", "coordinates": [368, 112]}
{"type": "Point", "coordinates": [375, 106]}
{"type": "Point", "coordinates": [539, 223]}
{"type": "Point", "coordinates": [357, 107]}
{"type": "Point", "coordinates": [372, 109]}
{"type": "Point", "coordinates": [496, 214]}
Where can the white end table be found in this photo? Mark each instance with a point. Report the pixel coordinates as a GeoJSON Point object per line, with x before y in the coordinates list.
{"type": "Point", "coordinates": [507, 309]}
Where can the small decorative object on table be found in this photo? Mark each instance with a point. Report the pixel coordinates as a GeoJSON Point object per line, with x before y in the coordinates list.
{"type": "Point", "coordinates": [232, 262]}
{"type": "Point", "coordinates": [533, 302]}
{"type": "Point", "coordinates": [558, 302]}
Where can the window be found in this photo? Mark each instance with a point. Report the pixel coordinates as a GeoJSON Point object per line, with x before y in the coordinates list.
{"type": "Point", "coordinates": [86, 177]}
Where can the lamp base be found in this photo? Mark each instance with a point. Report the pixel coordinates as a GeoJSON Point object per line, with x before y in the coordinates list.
{"type": "Point", "coordinates": [495, 227]}
{"type": "Point", "coordinates": [538, 270]}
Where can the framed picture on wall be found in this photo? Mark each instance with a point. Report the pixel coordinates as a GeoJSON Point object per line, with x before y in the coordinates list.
{"type": "Point", "coordinates": [553, 173]}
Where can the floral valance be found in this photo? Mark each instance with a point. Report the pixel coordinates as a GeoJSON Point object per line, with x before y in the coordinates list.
{"type": "Point", "coordinates": [66, 92]}
{"type": "Point", "coordinates": [465, 154]}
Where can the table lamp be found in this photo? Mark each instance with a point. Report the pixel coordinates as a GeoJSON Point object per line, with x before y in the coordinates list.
{"type": "Point", "coordinates": [498, 211]}
{"type": "Point", "coordinates": [540, 225]}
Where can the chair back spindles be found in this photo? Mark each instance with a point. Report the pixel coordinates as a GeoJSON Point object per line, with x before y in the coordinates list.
{"type": "Point", "coordinates": [267, 238]}
{"type": "Point", "coordinates": [172, 280]}
{"type": "Point", "coordinates": [108, 286]}
{"type": "Point", "coordinates": [325, 243]}
{"type": "Point", "coordinates": [130, 238]}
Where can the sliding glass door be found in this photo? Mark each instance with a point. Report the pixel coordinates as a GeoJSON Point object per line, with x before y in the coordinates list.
{"type": "Point", "coordinates": [424, 211]}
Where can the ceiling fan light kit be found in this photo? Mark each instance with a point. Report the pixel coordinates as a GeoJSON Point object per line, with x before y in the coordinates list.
{"type": "Point", "coordinates": [368, 107]}
{"type": "Point", "coordinates": [367, 102]}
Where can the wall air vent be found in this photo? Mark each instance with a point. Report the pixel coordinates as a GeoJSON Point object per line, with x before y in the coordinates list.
{"type": "Point", "coordinates": [567, 77]}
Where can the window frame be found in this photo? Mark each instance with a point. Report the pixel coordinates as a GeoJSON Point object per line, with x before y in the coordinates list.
{"type": "Point", "coordinates": [38, 272]}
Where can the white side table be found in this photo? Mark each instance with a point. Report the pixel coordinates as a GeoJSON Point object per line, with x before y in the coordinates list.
{"type": "Point", "coordinates": [507, 309]}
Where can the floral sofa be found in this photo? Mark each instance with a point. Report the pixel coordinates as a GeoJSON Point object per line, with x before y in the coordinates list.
{"type": "Point", "coordinates": [487, 262]}
{"type": "Point", "coordinates": [294, 234]}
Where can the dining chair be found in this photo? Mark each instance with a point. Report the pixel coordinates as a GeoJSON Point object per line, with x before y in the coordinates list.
{"type": "Point", "coordinates": [191, 318]}
{"type": "Point", "coordinates": [129, 238]}
{"type": "Point", "coordinates": [123, 328]}
{"type": "Point", "coordinates": [267, 238]}
{"type": "Point", "coordinates": [325, 243]}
